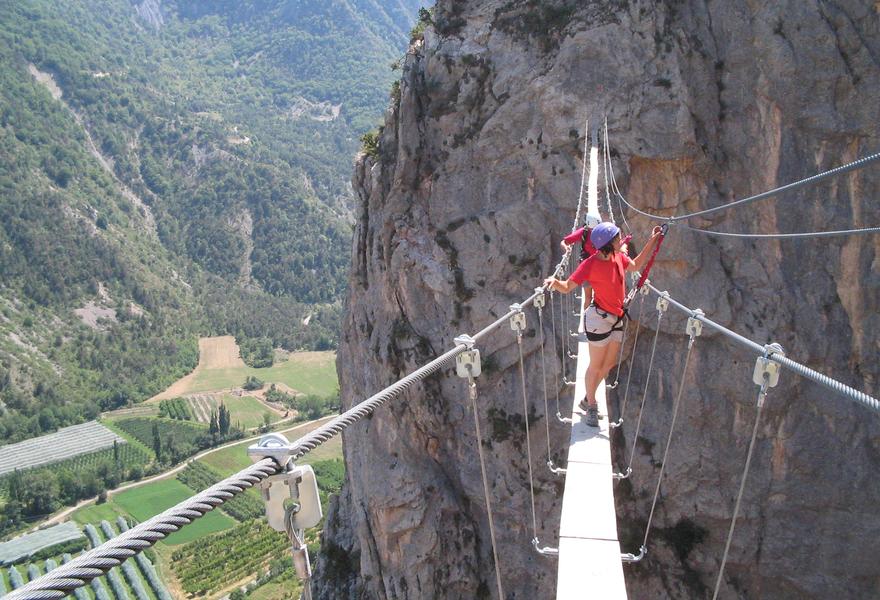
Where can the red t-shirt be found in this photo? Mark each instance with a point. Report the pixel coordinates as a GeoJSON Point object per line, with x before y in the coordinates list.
{"type": "Point", "coordinates": [607, 278]}
{"type": "Point", "coordinates": [576, 236]}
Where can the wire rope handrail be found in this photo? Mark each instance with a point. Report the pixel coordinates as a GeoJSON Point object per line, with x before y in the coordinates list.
{"type": "Point", "coordinates": [851, 166]}
{"type": "Point", "coordinates": [802, 370]}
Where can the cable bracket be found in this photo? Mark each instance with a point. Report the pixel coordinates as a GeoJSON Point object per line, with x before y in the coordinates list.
{"type": "Point", "coordinates": [694, 326]}
{"type": "Point", "coordinates": [766, 370]}
{"type": "Point", "coordinates": [540, 299]}
{"type": "Point", "coordinates": [663, 301]}
{"type": "Point", "coordinates": [468, 364]}
{"type": "Point", "coordinates": [517, 319]}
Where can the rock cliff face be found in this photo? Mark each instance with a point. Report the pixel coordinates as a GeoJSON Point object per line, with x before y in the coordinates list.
{"type": "Point", "coordinates": [460, 215]}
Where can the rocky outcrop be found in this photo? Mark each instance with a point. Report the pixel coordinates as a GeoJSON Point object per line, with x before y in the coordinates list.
{"type": "Point", "coordinates": [151, 12]}
{"type": "Point", "coordinates": [460, 215]}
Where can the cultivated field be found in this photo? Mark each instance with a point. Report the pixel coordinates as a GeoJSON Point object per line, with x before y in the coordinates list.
{"type": "Point", "coordinates": [247, 411]}
{"type": "Point", "coordinates": [234, 458]}
{"type": "Point", "coordinates": [135, 579]}
{"type": "Point", "coordinates": [65, 443]}
{"type": "Point", "coordinates": [149, 500]}
{"type": "Point", "coordinates": [220, 368]}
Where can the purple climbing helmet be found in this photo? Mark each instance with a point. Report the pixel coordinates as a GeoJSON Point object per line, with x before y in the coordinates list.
{"type": "Point", "coordinates": [603, 233]}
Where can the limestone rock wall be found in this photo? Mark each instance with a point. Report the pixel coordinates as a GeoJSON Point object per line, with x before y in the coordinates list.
{"type": "Point", "coordinates": [460, 215]}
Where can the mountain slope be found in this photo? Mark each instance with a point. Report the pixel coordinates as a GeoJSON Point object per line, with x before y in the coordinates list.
{"type": "Point", "coordinates": [166, 170]}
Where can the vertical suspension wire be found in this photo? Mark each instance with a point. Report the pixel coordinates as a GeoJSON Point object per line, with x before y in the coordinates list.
{"type": "Point", "coordinates": [547, 551]}
{"type": "Point", "coordinates": [668, 440]}
{"type": "Point", "coordinates": [762, 394]}
{"type": "Point", "coordinates": [472, 392]}
{"type": "Point", "coordinates": [632, 453]}
{"type": "Point", "coordinates": [550, 464]}
{"type": "Point", "coordinates": [555, 371]}
{"type": "Point", "coordinates": [631, 362]}
{"type": "Point", "coordinates": [563, 357]}
{"type": "Point", "coordinates": [611, 386]}
{"type": "Point", "coordinates": [522, 377]}
{"type": "Point", "coordinates": [544, 384]}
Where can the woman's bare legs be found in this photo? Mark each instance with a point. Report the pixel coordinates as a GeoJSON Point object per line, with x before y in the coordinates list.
{"type": "Point", "coordinates": [602, 360]}
{"type": "Point", "coordinates": [595, 371]}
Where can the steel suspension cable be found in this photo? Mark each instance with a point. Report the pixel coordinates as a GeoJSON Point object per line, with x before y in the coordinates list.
{"type": "Point", "coordinates": [852, 166]}
{"type": "Point", "coordinates": [632, 454]}
{"type": "Point", "coordinates": [762, 394]}
{"type": "Point", "coordinates": [784, 236]}
{"type": "Point", "coordinates": [631, 363]}
{"type": "Point", "coordinates": [802, 370]}
{"type": "Point", "coordinates": [472, 393]}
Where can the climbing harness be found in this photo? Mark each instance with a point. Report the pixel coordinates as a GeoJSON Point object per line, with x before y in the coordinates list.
{"type": "Point", "coordinates": [766, 375]}
{"type": "Point", "coordinates": [662, 307]}
{"type": "Point", "coordinates": [468, 366]}
{"type": "Point", "coordinates": [619, 422]}
{"type": "Point", "coordinates": [694, 328]}
{"type": "Point", "coordinates": [538, 303]}
{"type": "Point", "coordinates": [518, 325]}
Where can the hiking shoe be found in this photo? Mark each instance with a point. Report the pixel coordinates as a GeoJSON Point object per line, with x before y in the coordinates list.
{"type": "Point", "coordinates": [593, 416]}
{"type": "Point", "coordinates": [583, 405]}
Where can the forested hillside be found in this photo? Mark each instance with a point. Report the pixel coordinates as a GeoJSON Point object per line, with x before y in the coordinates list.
{"type": "Point", "coordinates": [171, 169]}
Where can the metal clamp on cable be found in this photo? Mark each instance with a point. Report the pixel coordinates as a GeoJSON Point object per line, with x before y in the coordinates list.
{"type": "Point", "coordinates": [631, 558]}
{"type": "Point", "coordinates": [694, 327]}
{"type": "Point", "coordinates": [467, 364]}
{"type": "Point", "coordinates": [766, 372]}
{"type": "Point", "coordinates": [623, 475]}
{"type": "Point", "coordinates": [517, 319]}
{"type": "Point", "coordinates": [663, 302]}
{"type": "Point", "coordinates": [297, 483]}
{"type": "Point", "coordinates": [540, 300]}
{"type": "Point", "coordinates": [465, 340]}
{"type": "Point", "coordinates": [546, 550]}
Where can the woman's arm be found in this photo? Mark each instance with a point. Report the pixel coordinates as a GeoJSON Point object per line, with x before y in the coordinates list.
{"type": "Point", "coordinates": [565, 285]}
{"type": "Point", "coordinates": [642, 258]}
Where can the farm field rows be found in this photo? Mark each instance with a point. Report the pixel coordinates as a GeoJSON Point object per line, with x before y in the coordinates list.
{"type": "Point", "coordinates": [65, 443]}
{"type": "Point", "coordinates": [134, 579]}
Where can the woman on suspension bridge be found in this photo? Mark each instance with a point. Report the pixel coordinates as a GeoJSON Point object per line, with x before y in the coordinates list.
{"type": "Point", "coordinates": [603, 320]}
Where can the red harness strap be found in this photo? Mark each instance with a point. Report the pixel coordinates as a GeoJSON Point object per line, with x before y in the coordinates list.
{"type": "Point", "coordinates": [663, 229]}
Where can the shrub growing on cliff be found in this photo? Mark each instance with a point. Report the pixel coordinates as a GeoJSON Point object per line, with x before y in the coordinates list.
{"type": "Point", "coordinates": [370, 144]}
